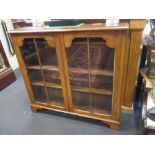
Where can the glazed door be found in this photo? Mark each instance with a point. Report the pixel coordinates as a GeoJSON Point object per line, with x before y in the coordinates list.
{"type": "Point", "coordinates": [44, 74]}
{"type": "Point", "coordinates": [94, 68]}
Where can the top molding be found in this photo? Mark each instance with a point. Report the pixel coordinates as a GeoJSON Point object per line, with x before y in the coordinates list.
{"type": "Point", "coordinates": [125, 24]}
{"type": "Point", "coordinates": [85, 27]}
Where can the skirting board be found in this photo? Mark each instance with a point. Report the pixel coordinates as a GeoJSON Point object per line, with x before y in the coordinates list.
{"type": "Point", "coordinates": [7, 77]}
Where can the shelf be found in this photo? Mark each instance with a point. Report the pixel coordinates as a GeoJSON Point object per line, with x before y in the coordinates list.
{"type": "Point", "coordinates": [87, 90]}
{"type": "Point", "coordinates": [101, 111]}
{"type": "Point", "coordinates": [56, 103]}
{"type": "Point", "coordinates": [95, 110]}
{"type": "Point", "coordinates": [92, 71]}
{"type": "Point", "coordinates": [48, 84]}
{"type": "Point", "coordinates": [30, 55]}
{"type": "Point", "coordinates": [81, 107]}
{"type": "Point", "coordinates": [93, 90]}
{"type": "Point", "coordinates": [44, 67]}
{"type": "Point", "coordinates": [74, 70]}
{"type": "Point", "coordinates": [53, 104]}
{"type": "Point", "coordinates": [43, 101]}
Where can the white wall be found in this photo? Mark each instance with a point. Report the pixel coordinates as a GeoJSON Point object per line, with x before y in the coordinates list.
{"type": "Point", "coordinates": [12, 59]}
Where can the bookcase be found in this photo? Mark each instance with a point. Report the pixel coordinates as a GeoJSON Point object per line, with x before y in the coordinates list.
{"type": "Point", "coordinates": [80, 71]}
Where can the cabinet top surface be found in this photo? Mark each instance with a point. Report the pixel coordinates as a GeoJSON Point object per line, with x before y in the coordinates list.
{"type": "Point", "coordinates": [85, 27]}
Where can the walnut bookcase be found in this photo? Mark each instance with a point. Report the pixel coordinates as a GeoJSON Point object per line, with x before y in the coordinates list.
{"type": "Point", "coordinates": [80, 71]}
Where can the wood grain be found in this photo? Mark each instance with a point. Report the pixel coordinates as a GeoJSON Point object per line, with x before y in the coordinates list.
{"type": "Point", "coordinates": [86, 27]}
{"type": "Point", "coordinates": [125, 39]}
{"type": "Point", "coordinates": [134, 54]}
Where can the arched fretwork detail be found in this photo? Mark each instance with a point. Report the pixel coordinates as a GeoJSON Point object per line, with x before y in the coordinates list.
{"type": "Point", "coordinates": [49, 40]}
{"type": "Point", "coordinates": [110, 41]}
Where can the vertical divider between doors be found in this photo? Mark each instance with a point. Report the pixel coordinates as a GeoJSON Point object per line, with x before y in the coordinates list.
{"type": "Point", "coordinates": [66, 73]}
{"type": "Point", "coordinates": [42, 74]}
{"type": "Point", "coordinates": [62, 63]}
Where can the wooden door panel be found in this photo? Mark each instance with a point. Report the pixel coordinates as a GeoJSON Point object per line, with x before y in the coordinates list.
{"type": "Point", "coordinates": [42, 70]}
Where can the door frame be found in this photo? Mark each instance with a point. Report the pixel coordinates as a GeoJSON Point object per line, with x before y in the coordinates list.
{"type": "Point", "coordinates": [114, 39]}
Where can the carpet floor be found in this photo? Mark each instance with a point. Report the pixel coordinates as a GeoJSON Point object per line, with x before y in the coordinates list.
{"type": "Point", "coordinates": [16, 118]}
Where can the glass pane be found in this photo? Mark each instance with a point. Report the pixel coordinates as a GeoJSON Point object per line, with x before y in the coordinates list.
{"type": "Point", "coordinates": [101, 56]}
{"type": "Point", "coordinates": [43, 71]}
{"type": "Point", "coordinates": [102, 82]}
{"type": "Point", "coordinates": [80, 91]}
{"type": "Point", "coordinates": [52, 76]}
{"type": "Point", "coordinates": [29, 53]}
{"type": "Point", "coordinates": [81, 100]}
{"type": "Point", "coordinates": [101, 104]}
{"type": "Point", "coordinates": [34, 75]}
{"type": "Point", "coordinates": [39, 93]}
{"type": "Point", "coordinates": [47, 53]}
{"type": "Point", "coordinates": [51, 72]}
{"type": "Point", "coordinates": [55, 96]}
{"type": "Point", "coordinates": [30, 56]}
{"type": "Point", "coordinates": [101, 74]}
{"type": "Point", "coordinates": [77, 57]}
{"type": "Point", "coordinates": [91, 65]}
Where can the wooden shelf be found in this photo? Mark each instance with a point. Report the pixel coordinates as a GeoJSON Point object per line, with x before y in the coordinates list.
{"type": "Point", "coordinates": [74, 70]}
{"type": "Point", "coordinates": [86, 90]}
{"type": "Point", "coordinates": [92, 71]}
{"type": "Point", "coordinates": [44, 67]}
{"type": "Point", "coordinates": [101, 111]}
{"type": "Point", "coordinates": [30, 55]}
{"type": "Point", "coordinates": [93, 90]}
{"type": "Point", "coordinates": [48, 84]}
{"type": "Point", "coordinates": [43, 101]}
{"type": "Point", "coordinates": [81, 107]}
{"type": "Point", "coordinates": [95, 110]}
{"type": "Point", "coordinates": [56, 103]}
{"type": "Point", "coordinates": [53, 104]}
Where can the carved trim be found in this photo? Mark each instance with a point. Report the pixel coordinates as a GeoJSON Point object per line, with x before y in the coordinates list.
{"type": "Point", "coordinates": [110, 42]}
{"type": "Point", "coordinates": [68, 41]}
{"type": "Point", "coordinates": [50, 42]}
{"type": "Point", "coordinates": [19, 42]}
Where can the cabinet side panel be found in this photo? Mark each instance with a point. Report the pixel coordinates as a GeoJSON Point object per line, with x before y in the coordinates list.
{"type": "Point", "coordinates": [125, 67]}
{"type": "Point", "coordinates": [118, 75]}
{"type": "Point", "coordinates": [132, 66]}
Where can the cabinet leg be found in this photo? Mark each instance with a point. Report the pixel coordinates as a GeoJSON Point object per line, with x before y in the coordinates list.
{"type": "Point", "coordinates": [115, 126]}
{"type": "Point", "coordinates": [35, 109]}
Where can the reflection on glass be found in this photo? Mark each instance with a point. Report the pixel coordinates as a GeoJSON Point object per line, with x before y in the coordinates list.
{"type": "Point", "coordinates": [52, 76]}
{"type": "Point", "coordinates": [77, 57]}
{"type": "Point", "coordinates": [43, 71]}
{"type": "Point", "coordinates": [56, 96]}
{"type": "Point", "coordinates": [47, 53]}
{"type": "Point", "coordinates": [101, 104]}
{"type": "Point", "coordinates": [91, 65]}
{"type": "Point", "coordinates": [81, 100]}
{"type": "Point", "coordinates": [101, 60]}
{"type": "Point", "coordinates": [29, 53]}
